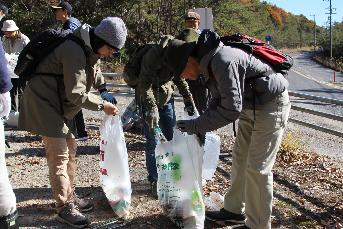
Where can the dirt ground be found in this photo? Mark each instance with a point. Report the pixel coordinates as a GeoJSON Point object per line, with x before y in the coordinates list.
{"type": "Point", "coordinates": [308, 188]}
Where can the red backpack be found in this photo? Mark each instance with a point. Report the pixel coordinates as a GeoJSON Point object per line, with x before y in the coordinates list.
{"type": "Point", "coordinates": [279, 61]}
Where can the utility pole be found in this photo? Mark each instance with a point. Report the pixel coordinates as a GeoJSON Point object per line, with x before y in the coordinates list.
{"type": "Point", "coordinates": [330, 21]}
{"type": "Point", "coordinates": [314, 33]}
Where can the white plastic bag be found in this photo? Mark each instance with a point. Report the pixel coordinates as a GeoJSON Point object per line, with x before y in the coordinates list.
{"type": "Point", "coordinates": [211, 152]}
{"type": "Point", "coordinates": [114, 167]}
{"type": "Point", "coordinates": [179, 187]}
{"type": "Point", "coordinates": [211, 155]}
{"type": "Point", "coordinates": [13, 118]}
{"type": "Point", "coordinates": [214, 202]}
{"type": "Point", "coordinates": [12, 60]}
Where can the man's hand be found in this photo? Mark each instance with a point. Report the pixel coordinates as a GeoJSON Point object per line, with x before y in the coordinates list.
{"type": "Point", "coordinates": [110, 109]}
{"type": "Point", "coordinates": [201, 138]}
{"type": "Point", "coordinates": [189, 106]}
{"type": "Point", "coordinates": [151, 118]}
{"type": "Point", "coordinates": [5, 103]}
{"type": "Point", "coordinates": [186, 126]}
{"type": "Point", "coordinates": [105, 95]}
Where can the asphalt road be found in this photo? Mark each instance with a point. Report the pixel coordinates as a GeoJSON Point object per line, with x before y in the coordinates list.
{"type": "Point", "coordinates": [309, 77]}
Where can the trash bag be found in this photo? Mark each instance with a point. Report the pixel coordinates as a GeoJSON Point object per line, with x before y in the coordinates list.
{"type": "Point", "coordinates": [12, 60]}
{"type": "Point", "coordinates": [114, 167]}
{"type": "Point", "coordinates": [214, 202]}
{"type": "Point", "coordinates": [179, 188]}
{"type": "Point", "coordinates": [211, 156]}
{"type": "Point", "coordinates": [211, 152]}
{"type": "Point", "coordinates": [12, 120]}
{"type": "Point", "coordinates": [131, 116]}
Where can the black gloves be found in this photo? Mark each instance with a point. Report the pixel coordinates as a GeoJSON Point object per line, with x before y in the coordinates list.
{"type": "Point", "coordinates": [189, 106]}
{"type": "Point", "coordinates": [186, 126]}
{"type": "Point", "coordinates": [201, 138]}
{"type": "Point", "coordinates": [105, 95]}
{"type": "Point", "coordinates": [189, 127]}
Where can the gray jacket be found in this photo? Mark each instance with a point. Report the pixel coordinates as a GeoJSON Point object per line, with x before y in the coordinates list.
{"type": "Point", "coordinates": [236, 80]}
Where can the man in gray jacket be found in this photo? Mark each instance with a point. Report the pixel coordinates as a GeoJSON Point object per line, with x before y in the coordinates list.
{"type": "Point", "coordinates": [246, 88]}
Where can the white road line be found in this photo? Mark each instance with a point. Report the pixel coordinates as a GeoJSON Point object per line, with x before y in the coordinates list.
{"type": "Point", "coordinates": [317, 81]}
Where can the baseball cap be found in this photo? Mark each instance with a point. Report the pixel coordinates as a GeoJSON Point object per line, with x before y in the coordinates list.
{"type": "Point", "coordinates": [64, 5]}
{"type": "Point", "coordinates": [192, 16]}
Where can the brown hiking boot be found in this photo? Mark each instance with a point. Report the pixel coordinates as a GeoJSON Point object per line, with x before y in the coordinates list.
{"type": "Point", "coordinates": [70, 215]}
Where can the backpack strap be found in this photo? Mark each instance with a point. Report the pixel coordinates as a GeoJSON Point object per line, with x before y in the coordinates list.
{"type": "Point", "coordinates": [71, 37]}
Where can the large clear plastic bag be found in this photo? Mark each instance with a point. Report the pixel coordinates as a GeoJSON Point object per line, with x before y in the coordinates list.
{"type": "Point", "coordinates": [131, 116]}
{"type": "Point", "coordinates": [179, 163]}
{"type": "Point", "coordinates": [211, 152]}
{"type": "Point", "coordinates": [114, 167]}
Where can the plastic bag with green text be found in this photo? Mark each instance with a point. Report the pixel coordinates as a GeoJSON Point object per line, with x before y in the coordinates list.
{"type": "Point", "coordinates": [179, 164]}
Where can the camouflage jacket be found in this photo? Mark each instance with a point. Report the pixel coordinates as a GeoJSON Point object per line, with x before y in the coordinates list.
{"type": "Point", "coordinates": [156, 81]}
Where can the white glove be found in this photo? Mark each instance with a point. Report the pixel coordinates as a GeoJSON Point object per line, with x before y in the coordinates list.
{"type": "Point", "coordinates": [5, 104]}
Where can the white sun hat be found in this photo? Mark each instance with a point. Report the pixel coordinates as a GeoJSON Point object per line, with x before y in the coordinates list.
{"type": "Point", "coordinates": [9, 26]}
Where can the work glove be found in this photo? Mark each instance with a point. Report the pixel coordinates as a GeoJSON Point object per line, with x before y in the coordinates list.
{"type": "Point", "coordinates": [186, 126]}
{"type": "Point", "coordinates": [5, 104]}
{"type": "Point", "coordinates": [201, 138]}
{"type": "Point", "coordinates": [105, 95]}
{"type": "Point", "coordinates": [189, 127]}
{"type": "Point", "coordinates": [151, 118]}
{"type": "Point", "coordinates": [189, 106]}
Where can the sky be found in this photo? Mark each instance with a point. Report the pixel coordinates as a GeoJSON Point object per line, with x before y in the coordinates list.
{"type": "Point", "coordinates": [312, 7]}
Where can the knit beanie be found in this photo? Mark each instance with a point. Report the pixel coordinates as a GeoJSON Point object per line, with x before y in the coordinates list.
{"type": "Point", "coordinates": [177, 54]}
{"type": "Point", "coordinates": [113, 31]}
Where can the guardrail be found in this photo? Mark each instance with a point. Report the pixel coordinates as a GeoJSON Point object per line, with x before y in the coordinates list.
{"type": "Point", "coordinates": [130, 92]}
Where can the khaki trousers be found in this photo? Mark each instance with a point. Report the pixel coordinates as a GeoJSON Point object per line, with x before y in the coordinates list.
{"type": "Point", "coordinates": [60, 154]}
{"type": "Point", "coordinates": [258, 140]}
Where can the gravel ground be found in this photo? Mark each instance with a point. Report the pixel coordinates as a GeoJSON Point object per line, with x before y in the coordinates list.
{"type": "Point", "coordinates": [308, 186]}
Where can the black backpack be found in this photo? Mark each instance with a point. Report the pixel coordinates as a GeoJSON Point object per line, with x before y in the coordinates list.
{"type": "Point", "coordinates": [38, 48]}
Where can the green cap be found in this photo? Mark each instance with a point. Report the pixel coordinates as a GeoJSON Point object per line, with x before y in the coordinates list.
{"type": "Point", "coordinates": [177, 54]}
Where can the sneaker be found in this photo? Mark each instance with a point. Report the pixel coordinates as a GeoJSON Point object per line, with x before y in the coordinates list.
{"type": "Point", "coordinates": [72, 216]}
{"type": "Point", "coordinates": [153, 188]}
{"type": "Point", "coordinates": [225, 216]}
{"type": "Point", "coordinates": [82, 138]}
{"type": "Point", "coordinates": [83, 205]}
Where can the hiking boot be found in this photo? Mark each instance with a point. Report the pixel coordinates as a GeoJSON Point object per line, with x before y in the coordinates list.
{"type": "Point", "coordinates": [83, 205]}
{"type": "Point", "coordinates": [225, 216]}
{"type": "Point", "coordinates": [72, 216]}
{"type": "Point", "coordinates": [153, 188]}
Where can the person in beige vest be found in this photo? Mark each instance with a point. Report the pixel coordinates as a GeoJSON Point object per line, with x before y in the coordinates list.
{"type": "Point", "coordinates": [14, 42]}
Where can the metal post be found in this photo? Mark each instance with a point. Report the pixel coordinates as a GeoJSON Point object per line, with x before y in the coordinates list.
{"type": "Point", "coordinates": [314, 33]}
{"type": "Point", "coordinates": [330, 21]}
{"type": "Point", "coordinates": [330, 29]}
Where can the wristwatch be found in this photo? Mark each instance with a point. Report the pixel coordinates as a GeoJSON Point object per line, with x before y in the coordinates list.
{"type": "Point", "coordinates": [101, 106]}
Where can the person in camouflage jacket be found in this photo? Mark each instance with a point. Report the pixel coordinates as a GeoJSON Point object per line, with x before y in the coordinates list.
{"type": "Point", "coordinates": [155, 91]}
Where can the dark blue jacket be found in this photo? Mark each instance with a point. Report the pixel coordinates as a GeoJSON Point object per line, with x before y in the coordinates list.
{"type": "Point", "coordinates": [5, 79]}
{"type": "Point", "coordinates": [72, 24]}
